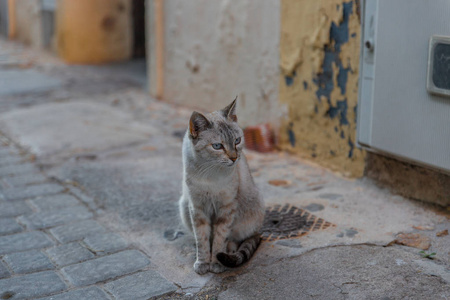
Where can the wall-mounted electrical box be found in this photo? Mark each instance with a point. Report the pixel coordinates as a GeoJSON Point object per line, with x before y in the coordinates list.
{"type": "Point", "coordinates": [404, 81]}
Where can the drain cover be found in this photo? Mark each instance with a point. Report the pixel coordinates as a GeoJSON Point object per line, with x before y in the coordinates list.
{"type": "Point", "coordinates": [283, 222]}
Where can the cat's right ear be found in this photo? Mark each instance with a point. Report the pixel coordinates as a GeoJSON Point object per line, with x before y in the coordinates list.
{"type": "Point", "coordinates": [229, 112]}
{"type": "Point", "coordinates": [198, 123]}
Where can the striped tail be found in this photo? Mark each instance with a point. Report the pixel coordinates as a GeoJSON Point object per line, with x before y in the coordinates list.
{"type": "Point", "coordinates": [242, 255]}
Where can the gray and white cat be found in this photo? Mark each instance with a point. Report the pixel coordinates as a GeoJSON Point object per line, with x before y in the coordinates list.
{"type": "Point", "coordinates": [220, 203]}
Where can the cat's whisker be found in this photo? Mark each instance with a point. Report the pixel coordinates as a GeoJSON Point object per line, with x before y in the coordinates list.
{"type": "Point", "coordinates": [199, 170]}
{"type": "Point", "coordinates": [205, 171]}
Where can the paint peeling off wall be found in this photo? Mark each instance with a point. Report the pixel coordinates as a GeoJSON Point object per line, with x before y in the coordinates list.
{"type": "Point", "coordinates": [319, 60]}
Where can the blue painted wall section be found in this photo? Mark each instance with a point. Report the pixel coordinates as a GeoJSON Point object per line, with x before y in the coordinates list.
{"type": "Point", "coordinates": [320, 41]}
{"type": "Point", "coordinates": [291, 135]}
{"type": "Point", "coordinates": [352, 147]}
{"type": "Point", "coordinates": [339, 35]}
{"type": "Point", "coordinates": [290, 79]}
{"type": "Point", "coordinates": [305, 85]}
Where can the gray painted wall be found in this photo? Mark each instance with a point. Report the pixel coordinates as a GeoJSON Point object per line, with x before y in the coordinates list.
{"type": "Point", "coordinates": [215, 50]}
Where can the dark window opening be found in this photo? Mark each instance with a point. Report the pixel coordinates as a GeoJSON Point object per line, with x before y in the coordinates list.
{"type": "Point", "coordinates": [138, 11]}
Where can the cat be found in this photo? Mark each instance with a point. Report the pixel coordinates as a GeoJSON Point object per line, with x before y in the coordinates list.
{"type": "Point", "coordinates": [220, 203]}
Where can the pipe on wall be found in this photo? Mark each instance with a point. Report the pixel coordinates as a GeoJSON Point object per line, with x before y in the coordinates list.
{"type": "Point", "coordinates": [12, 19]}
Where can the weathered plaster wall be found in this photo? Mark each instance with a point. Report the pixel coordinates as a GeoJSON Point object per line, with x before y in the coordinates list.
{"type": "Point", "coordinates": [215, 50]}
{"type": "Point", "coordinates": [94, 31]}
{"type": "Point", "coordinates": [409, 180]}
{"type": "Point", "coordinates": [28, 22]}
{"type": "Point", "coordinates": [319, 59]}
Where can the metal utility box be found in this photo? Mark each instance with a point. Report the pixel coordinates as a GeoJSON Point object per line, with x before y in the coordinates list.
{"type": "Point", "coordinates": [404, 81]}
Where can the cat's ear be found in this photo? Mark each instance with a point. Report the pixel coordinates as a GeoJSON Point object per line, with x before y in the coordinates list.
{"type": "Point", "coordinates": [198, 123]}
{"type": "Point", "coordinates": [229, 112]}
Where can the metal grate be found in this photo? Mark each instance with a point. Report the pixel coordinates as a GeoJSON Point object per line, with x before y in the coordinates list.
{"type": "Point", "coordinates": [284, 222]}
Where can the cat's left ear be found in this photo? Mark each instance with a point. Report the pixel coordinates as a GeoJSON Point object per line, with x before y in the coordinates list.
{"type": "Point", "coordinates": [197, 123]}
{"type": "Point", "coordinates": [230, 111]}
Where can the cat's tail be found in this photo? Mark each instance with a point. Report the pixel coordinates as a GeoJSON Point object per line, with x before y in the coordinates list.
{"type": "Point", "coordinates": [242, 255]}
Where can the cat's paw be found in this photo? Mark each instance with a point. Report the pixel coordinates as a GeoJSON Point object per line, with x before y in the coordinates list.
{"type": "Point", "coordinates": [217, 268]}
{"type": "Point", "coordinates": [201, 267]}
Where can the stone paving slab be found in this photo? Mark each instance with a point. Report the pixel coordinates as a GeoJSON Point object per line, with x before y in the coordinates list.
{"type": "Point", "coordinates": [24, 179]}
{"type": "Point", "coordinates": [345, 272]}
{"type": "Point", "coordinates": [14, 209]}
{"type": "Point", "coordinates": [14, 82]}
{"type": "Point", "coordinates": [105, 243]}
{"type": "Point", "coordinates": [47, 219]}
{"type": "Point", "coordinates": [24, 241]}
{"type": "Point", "coordinates": [11, 160]}
{"type": "Point", "coordinates": [74, 127]}
{"type": "Point", "coordinates": [140, 286]}
{"type": "Point", "coordinates": [7, 151]}
{"type": "Point", "coordinates": [33, 191]}
{"type": "Point", "coordinates": [104, 268]}
{"type": "Point", "coordinates": [28, 261]}
{"type": "Point", "coordinates": [19, 169]}
{"type": "Point", "coordinates": [76, 231]}
{"type": "Point", "coordinates": [91, 293]}
{"type": "Point", "coordinates": [31, 286]}
{"type": "Point", "coordinates": [89, 201]}
{"type": "Point", "coordinates": [9, 225]}
{"type": "Point", "coordinates": [54, 202]}
{"type": "Point", "coordinates": [4, 272]}
{"type": "Point", "coordinates": [69, 254]}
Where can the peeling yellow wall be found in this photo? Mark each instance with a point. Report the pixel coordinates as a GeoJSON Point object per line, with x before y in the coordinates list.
{"type": "Point", "coordinates": [94, 31]}
{"type": "Point", "coordinates": [319, 58]}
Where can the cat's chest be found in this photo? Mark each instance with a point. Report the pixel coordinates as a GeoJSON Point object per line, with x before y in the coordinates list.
{"type": "Point", "coordinates": [212, 184]}
{"type": "Point", "coordinates": [207, 192]}
{"type": "Point", "coordinates": [211, 202]}
{"type": "Point", "coordinates": [215, 193]}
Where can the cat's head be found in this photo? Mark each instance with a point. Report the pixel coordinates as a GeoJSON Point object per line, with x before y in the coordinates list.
{"type": "Point", "coordinates": [216, 137]}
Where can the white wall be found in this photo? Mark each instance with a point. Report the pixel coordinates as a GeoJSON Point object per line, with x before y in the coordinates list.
{"type": "Point", "coordinates": [215, 50]}
{"type": "Point", "coordinates": [29, 23]}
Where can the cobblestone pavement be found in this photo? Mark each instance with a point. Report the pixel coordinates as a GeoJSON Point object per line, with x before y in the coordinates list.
{"type": "Point", "coordinates": [90, 176]}
{"type": "Point", "coordinates": [51, 244]}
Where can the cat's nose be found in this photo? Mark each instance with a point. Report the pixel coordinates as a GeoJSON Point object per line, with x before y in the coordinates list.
{"type": "Point", "coordinates": [234, 158]}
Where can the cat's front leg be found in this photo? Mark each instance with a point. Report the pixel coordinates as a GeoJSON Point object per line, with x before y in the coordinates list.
{"type": "Point", "coordinates": [202, 232]}
{"type": "Point", "coordinates": [222, 229]}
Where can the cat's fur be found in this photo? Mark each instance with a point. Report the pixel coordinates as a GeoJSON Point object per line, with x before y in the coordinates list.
{"type": "Point", "coordinates": [220, 203]}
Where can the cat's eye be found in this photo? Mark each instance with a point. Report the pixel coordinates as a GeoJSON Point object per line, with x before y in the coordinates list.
{"type": "Point", "coordinates": [217, 146]}
{"type": "Point", "coordinates": [237, 141]}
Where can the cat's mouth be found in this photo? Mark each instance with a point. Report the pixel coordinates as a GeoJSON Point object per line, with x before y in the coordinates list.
{"type": "Point", "coordinates": [232, 163]}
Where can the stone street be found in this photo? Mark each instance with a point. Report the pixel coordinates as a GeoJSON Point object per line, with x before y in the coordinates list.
{"type": "Point", "coordinates": [90, 176]}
